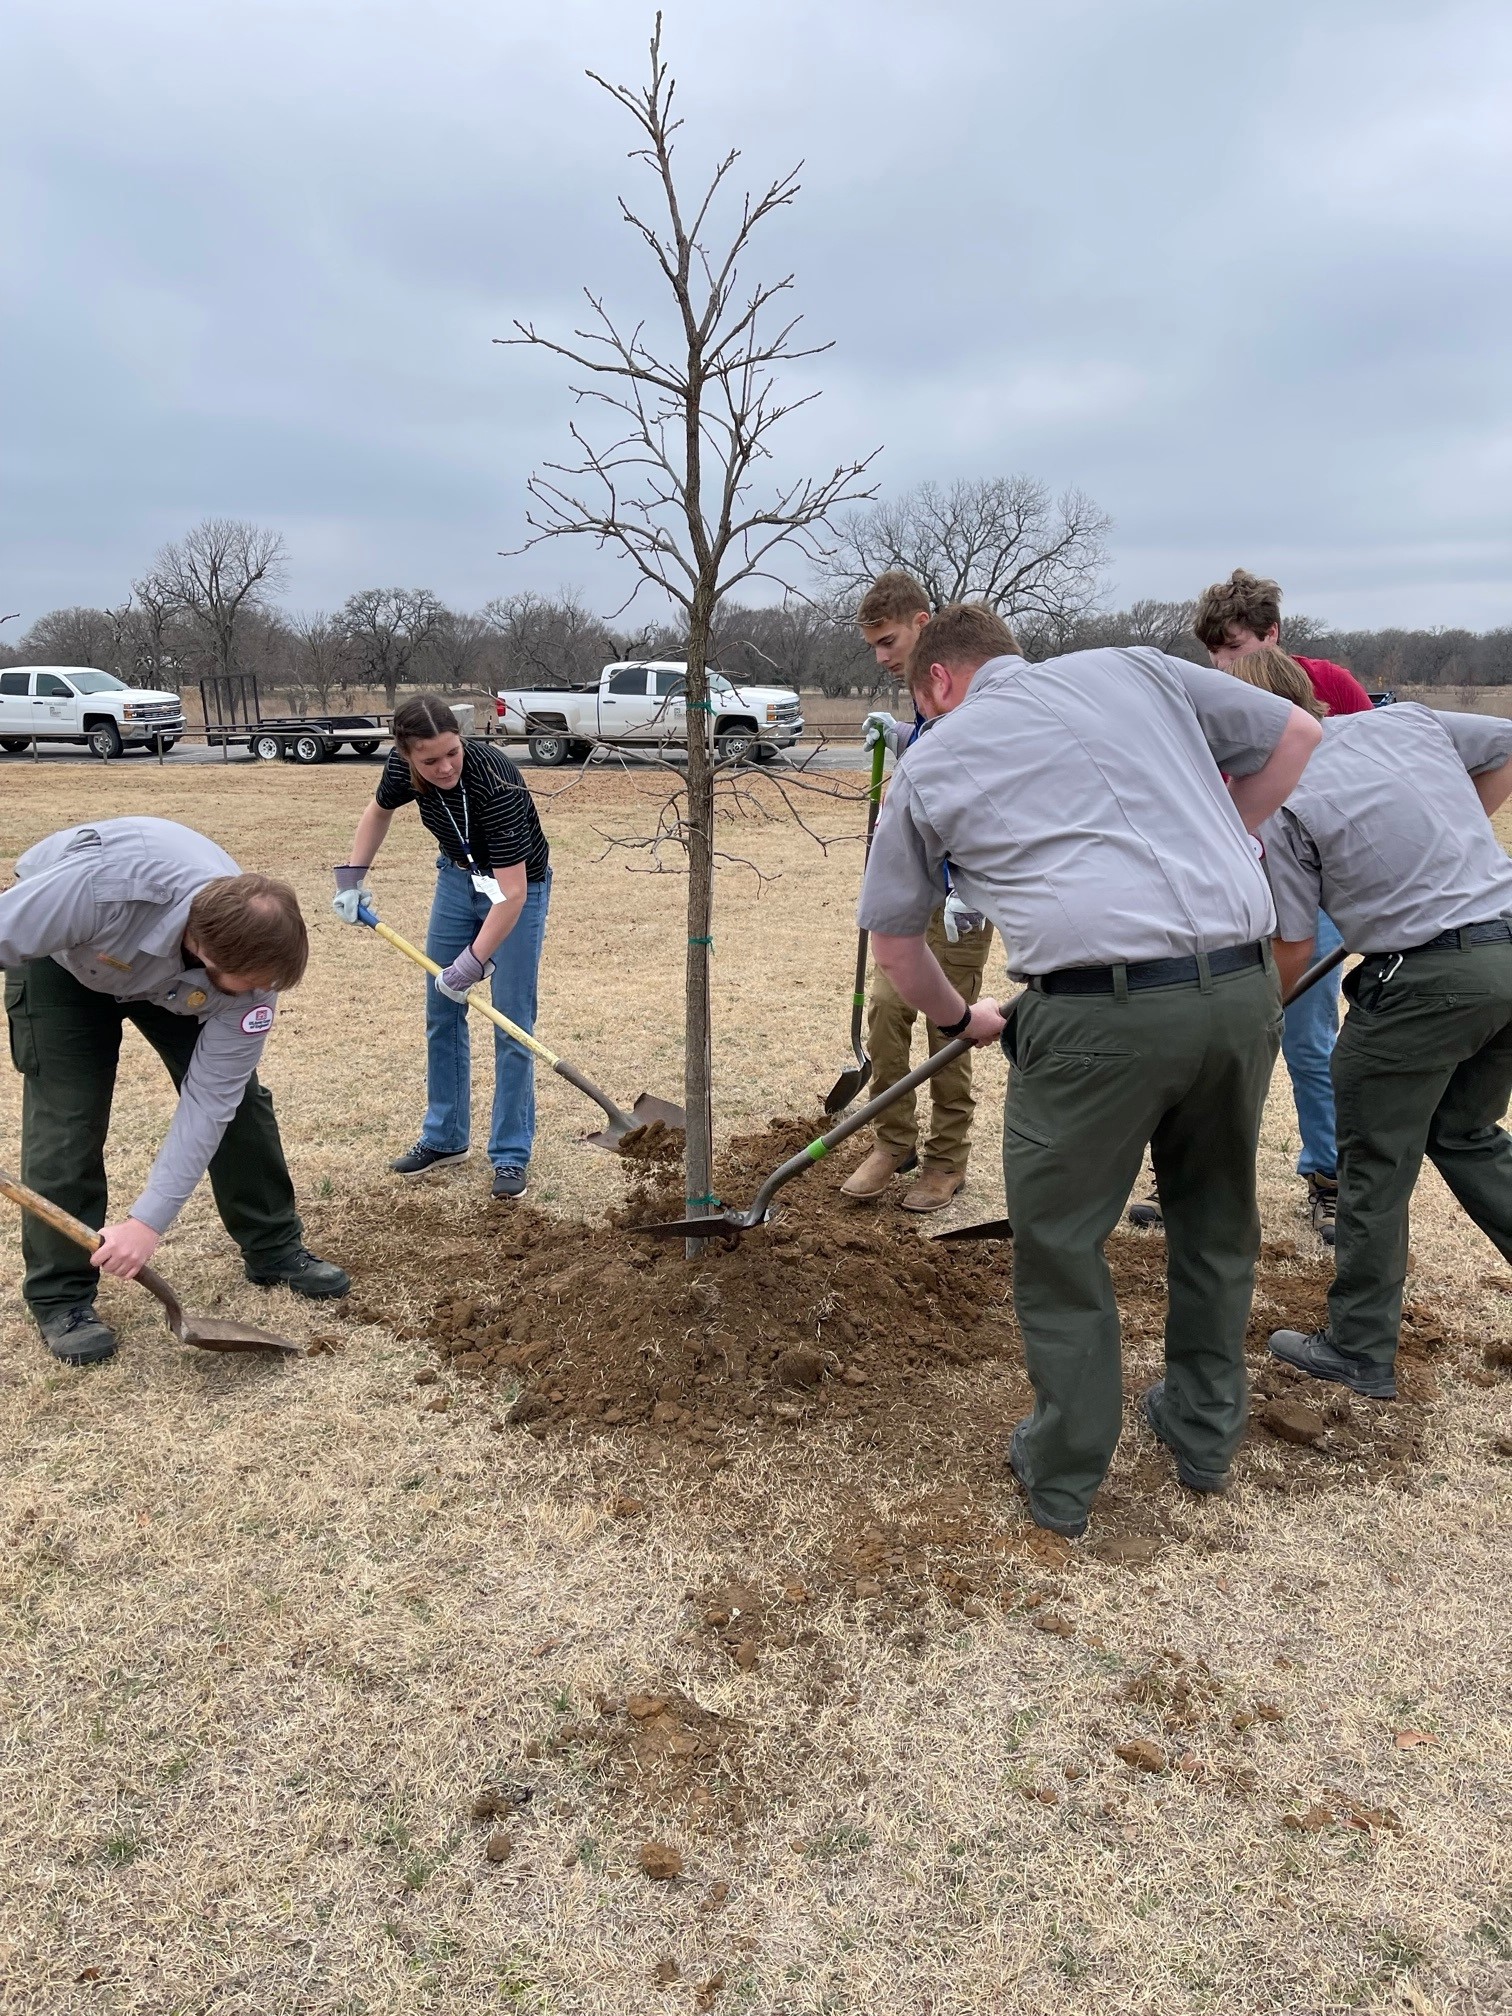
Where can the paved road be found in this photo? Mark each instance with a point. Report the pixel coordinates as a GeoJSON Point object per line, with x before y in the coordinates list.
{"type": "Point", "coordinates": [833, 756]}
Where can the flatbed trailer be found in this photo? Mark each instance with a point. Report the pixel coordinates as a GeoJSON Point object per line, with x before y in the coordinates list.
{"type": "Point", "coordinates": [234, 720]}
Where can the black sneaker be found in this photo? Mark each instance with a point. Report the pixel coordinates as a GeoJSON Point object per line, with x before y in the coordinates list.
{"type": "Point", "coordinates": [420, 1158]}
{"type": "Point", "coordinates": [1147, 1213]}
{"type": "Point", "coordinates": [1322, 1203]}
{"type": "Point", "coordinates": [1312, 1352]}
{"type": "Point", "coordinates": [317, 1280]}
{"type": "Point", "coordinates": [1192, 1478]}
{"type": "Point", "coordinates": [77, 1336]}
{"type": "Point", "coordinates": [510, 1181]}
{"type": "Point", "coordinates": [1069, 1529]}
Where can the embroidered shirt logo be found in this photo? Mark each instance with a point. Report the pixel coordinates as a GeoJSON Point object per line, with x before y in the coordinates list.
{"type": "Point", "coordinates": [257, 1021]}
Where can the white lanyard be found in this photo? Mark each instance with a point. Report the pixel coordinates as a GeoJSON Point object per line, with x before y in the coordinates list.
{"type": "Point", "coordinates": [486, 885]}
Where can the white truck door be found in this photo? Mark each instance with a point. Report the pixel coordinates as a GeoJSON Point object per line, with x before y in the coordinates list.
{"type": "Point", "coordinates": [55, 706]}
{"type": "Point", "coordinates": [15, 704]}
{"type": "Point", "coordinates": [671, 721]}
{"type": "Point", "coordinates": [624, 708]}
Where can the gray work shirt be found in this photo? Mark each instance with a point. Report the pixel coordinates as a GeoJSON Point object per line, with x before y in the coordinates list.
{"type": "Point", "coordinates": [1385, 832]}
{"type": "Point", "coordinates": [1080, 805]}
{"type": "Point", "coordinates": [110, 903]}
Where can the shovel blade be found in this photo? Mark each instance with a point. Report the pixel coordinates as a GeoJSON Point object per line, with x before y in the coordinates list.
{"type": "Point", "coordinates": [649, 1111]}
{"type": "Point", "coordinates": [727, 1224]}
{"type": "Point", "coordinates": [990, 1228]}
{"type": "Point", "coordinates": [847, 1085]}
{"type": "Point", "coordinates": [216, 1333]}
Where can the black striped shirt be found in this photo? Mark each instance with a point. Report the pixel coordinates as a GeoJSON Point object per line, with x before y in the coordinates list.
{"type": "Point", "coordinates": [488, 812]}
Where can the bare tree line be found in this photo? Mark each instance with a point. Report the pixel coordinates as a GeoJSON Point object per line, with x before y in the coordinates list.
{"type": "Point", "coordinates": [208, 604]}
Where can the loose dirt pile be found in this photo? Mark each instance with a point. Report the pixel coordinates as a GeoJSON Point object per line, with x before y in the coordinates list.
{"type": "Point", "coordinates": [842, 1317]}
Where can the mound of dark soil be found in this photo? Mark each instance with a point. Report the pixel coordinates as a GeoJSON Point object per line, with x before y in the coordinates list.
{"type": "Point", "coordinates": [843, 1316]}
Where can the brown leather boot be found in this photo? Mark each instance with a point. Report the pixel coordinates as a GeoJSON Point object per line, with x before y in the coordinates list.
{"type": "Point", "coordinates": [934, 1189]}
{"type": "Point", "coordinates": [872, 1178]}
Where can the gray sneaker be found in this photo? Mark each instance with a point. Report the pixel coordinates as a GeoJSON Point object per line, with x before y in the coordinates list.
{"type": "Point", "coordinates": [1312, 1352]}
{"type": "Point", "coordinates": [77, 1336]}
{"type": "Point", "coordinates": [1193, 1478]}
{"type": "Point", "coordinates": [1069, 1529]}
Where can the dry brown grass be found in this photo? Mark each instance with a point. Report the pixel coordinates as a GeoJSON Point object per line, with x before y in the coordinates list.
{"type": "Point", "coordinates": [268, 1629]}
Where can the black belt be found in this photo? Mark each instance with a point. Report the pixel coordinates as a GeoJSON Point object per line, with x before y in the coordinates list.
{"type": "Point", "coordinates": [1146, 972]}
{"type": "Point", "coordinates": [1497, 932]}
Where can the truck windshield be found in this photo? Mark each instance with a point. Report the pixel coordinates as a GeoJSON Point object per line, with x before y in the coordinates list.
{"type": "Point", "coordinates": [97, 682]}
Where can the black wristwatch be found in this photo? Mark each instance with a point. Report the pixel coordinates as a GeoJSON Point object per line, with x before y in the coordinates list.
{"type": "Point", "coordinates": [957, 1028]}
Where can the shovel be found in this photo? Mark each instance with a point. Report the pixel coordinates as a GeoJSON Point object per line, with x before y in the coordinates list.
{"type": "Point", "coordinates": [736, 1222]}
{"type": "Point", "coordinates": [851, 1080]}
{"type": "Point", "coordinates": [623, 1127]}
{"type": "Point", "coordinates": [208, 1333]}
{"type": "Point", "coordinates": [1002, 1228]}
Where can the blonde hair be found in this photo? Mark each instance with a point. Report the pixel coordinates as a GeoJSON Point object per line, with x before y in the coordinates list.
{"type": "Point", "coordinates": [1276, 671]}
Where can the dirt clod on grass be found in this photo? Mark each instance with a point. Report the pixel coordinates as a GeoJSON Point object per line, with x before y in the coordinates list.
{"type": "Point", "coordinates": [660, 1862]}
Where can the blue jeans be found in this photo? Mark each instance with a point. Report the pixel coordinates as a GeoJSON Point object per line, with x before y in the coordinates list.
{"type": "Point", "coordinates": [1309, 1031]}
{"type": "Point", "coordinates": [455, 917]}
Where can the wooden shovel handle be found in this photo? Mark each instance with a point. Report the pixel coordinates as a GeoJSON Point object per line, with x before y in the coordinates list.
{"type": "Point", "coordinates": [473, 1000]}
{"type": "Point", "coordinates": [50, 1213]}
{"type": "Point", "coordinates": [83, 1235]}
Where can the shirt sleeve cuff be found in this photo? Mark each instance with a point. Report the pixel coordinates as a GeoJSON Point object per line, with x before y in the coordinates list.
{"type": "Point", "coordinates": [154, 1208]}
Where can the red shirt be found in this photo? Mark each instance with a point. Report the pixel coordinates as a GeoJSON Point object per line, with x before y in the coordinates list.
{"type": "Point", "coordinates": [1338, 689]}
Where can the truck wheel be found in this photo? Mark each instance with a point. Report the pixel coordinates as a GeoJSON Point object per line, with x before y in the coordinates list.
{"type": "Point", "coordinates": [266, 748]}
{"type": "Point", "coordinates": [548, 750]}
{"type": "Point", "coordinates": [14, 744]}
{"type": "Point", "coordinates": [104, 739]}
{"type": "Point", "coordinates": [364, 748]}
{"type": "Point", "coordinates": [735, 745]}
{"type": "Point", "coordinates": [308, 749]}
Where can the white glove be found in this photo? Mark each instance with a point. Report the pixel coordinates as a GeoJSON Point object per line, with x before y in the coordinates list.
{"type": "Point", "coordinates": [346, 901]}
{"type": "Point", "coordinates": [878, 727]}
{"type": "Point", "coordinates": [960, 919]}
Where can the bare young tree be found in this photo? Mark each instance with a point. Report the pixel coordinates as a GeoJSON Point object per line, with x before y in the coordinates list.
{"type": "Point", "coordinates": [674, 433]}
{"type": "Point", "coordinates": [217, 575]}
{"type": "Point", "coordinates": [388, 628]}
{"type": "Point", "coordinates": [1003, 540]}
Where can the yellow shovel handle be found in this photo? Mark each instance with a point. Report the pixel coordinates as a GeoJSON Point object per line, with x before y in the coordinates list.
{"type": "Point", "coordinates": [473, 1001]}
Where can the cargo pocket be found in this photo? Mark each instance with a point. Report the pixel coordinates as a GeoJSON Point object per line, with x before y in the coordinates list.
{"type": "Point", "coordinates": [23, 1041]}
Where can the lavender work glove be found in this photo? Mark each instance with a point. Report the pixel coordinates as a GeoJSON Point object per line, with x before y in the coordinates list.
{"type": "Point", "coordinates": [464, 973]}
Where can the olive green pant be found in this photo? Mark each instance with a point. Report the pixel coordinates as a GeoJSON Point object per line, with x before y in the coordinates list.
{"type": "Point", "coordinates": [65, 1040]}
{"type": "Point", "coordinates": [1182, 1071]}
{"type": "Point", "coordinates": [1423, 1065]}
{"type": "Point", "coordinates": [889, 1043]}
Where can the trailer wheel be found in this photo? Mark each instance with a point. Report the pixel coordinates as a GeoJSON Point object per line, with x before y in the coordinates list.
{"type": "Point", "coordinates": [308, 749]}
{"type": "Point", "coordinates": [364, 748]}
{"type": "Point", "coordinates": [266, 748]}
{"type": "Point", "coordinates": [549, 750]}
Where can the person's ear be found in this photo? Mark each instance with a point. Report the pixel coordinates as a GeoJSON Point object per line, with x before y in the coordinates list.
{"type": "Point", "coordinates": [1273, 635]}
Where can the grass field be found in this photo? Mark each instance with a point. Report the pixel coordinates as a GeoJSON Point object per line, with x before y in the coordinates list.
{"type": "Point", "coordinates": [271, 1630]}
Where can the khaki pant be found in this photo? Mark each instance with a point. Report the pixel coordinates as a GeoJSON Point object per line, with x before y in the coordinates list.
{"type": "Point", "coordinates": [889, 1040]}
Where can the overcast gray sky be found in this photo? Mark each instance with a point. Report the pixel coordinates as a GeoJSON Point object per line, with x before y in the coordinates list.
{"type": "Point", "coordinates": [1240, 272]}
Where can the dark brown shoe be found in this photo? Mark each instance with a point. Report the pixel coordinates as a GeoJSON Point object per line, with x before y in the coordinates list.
{"type": "Point", "coordinates": [1322, 1203]}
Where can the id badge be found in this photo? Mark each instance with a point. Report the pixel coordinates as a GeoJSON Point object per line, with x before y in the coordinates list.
{"type": "Point", "coordinates": [487, 885]}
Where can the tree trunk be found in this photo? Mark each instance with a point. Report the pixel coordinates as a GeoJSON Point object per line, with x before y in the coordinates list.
{"type": "Point", "coordinates": [698, 1063]}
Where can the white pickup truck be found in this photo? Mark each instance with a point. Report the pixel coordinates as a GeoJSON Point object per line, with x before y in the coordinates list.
{"type": "Point", "coordinates": [642, 703]}
{"type": "Point", "coordinates": [74, 703]}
